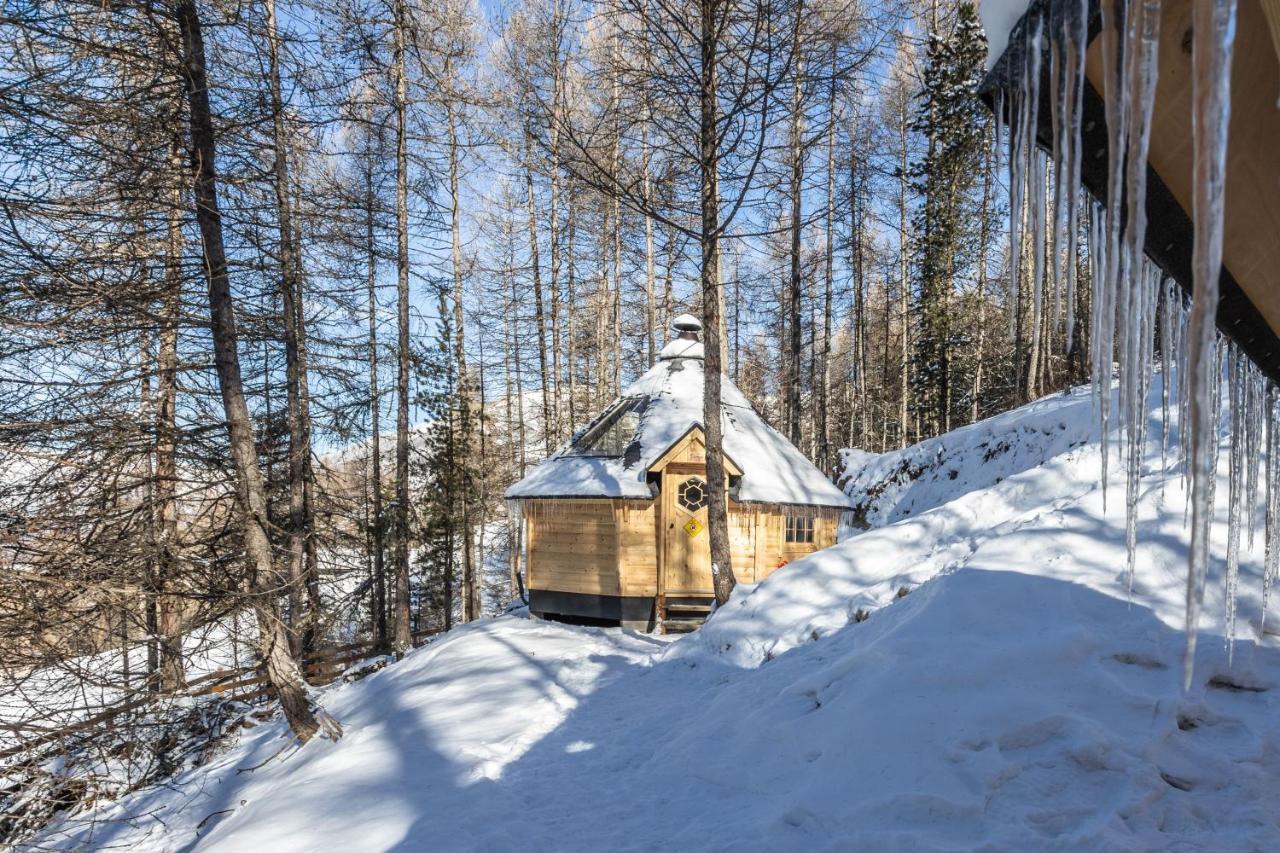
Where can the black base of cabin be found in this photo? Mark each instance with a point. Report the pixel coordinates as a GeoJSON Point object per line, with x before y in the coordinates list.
{"type": "Point", "coordinates": [581, 609]}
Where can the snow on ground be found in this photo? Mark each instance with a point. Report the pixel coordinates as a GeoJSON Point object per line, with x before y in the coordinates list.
{"type": "Point", "coordinates": [1018, 697]}
{"type": "Point", "coordinates": [888, 487]}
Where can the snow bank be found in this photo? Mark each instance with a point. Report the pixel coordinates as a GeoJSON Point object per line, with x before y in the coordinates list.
{"type": "Point", "coordinates": [888, 487]}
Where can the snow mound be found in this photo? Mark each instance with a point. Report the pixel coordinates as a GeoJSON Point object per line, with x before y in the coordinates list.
{"type": "Point", "coordinates": [976, 675]}
{"type": "Point", "coordinates": [888, 487]}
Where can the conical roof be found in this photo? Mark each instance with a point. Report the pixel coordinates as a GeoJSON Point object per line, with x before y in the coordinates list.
{"type": "Point", "coordinates": [611, 457]}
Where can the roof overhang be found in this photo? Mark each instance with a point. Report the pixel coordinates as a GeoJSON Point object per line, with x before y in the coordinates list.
{"type": "Point", "coordinates": [1249, 306]}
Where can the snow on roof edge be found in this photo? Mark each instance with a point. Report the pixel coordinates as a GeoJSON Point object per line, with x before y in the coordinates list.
{"type": "Point", "coordinates": [776, 472]}
{"type": "Point", "coordinates": [999, 17]}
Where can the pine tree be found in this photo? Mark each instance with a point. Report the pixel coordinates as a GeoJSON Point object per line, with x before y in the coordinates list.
{"type": "Point", "coordinates": [953, 117]}
{"type": "Point", "coordinates": [443, 480]}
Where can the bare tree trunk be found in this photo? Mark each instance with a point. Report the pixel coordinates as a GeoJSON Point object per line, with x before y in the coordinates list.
{"type": "Point", "coordinates": [603, 313]}
{"type": "Point", "coordinates": [717, 485]}
{"type": "Point", "coordinates": [539, 315]}
{"type": "Point", "coordinates": [824, 383]}
{"type": "Point", "coordinates": [615, 305]}
{"type": "Point", "coordinates": [903, 287]}
{"type": "Point", "coordinates": [170, 675]}
{"type": "Point", "coordinates": [980, 350]}
{"type": "Point", "coordinates": [403, 637]}
{"type": "Point", "coordinates": [273, 642]}
{"type": "Point", "coordinates": [859, 317]}
{"type": "Point", "coordinates": [668, 279]}
{"type": "Point", "coordinates": [311, 562]}
{"type": "Point", "coordinates": [515, 346]}
{"type": "Point", "coordinates": [470, 587]}
{"type": "Point", "coordinates": [557, 407]}
{"type": "Point", "coordinates": [737, 315]}
{"type": "Point", "coordinates": [303, 608]}
{"type": "Point", "coordinates": [650, 308]}
{"type": "Point", "coordinates": [570, 292]}
{"type": "Point", "coordinates": [795, 281]}
{"type": "Point", "coordinates": [378, 524]}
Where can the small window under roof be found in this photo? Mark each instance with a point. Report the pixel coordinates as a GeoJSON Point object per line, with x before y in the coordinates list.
{"type": "Point", "coordinates": [613, 432]}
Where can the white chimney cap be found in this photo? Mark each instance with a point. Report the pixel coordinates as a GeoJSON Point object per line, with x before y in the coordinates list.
{"type": "Point", "coordinates": [686, 323]}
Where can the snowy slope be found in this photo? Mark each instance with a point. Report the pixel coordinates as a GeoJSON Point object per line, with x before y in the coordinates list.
{"type": "Point", "coordinates": [891, 486]}
{"type": "Point", "coordinates": [1017, 698]}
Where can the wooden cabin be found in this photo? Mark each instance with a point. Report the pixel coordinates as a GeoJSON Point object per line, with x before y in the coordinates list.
{"type": "Point", "coordinates": [1249, 305]}
{"type": "Point", "coordinates": [614, 523]}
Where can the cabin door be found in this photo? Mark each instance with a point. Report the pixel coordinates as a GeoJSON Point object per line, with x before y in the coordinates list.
{"type": "Point", "coordinates": [688, 547]}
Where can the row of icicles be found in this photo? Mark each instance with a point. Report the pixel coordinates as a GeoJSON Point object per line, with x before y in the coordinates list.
{"type": "Point", "coordinates": [1133, 303]}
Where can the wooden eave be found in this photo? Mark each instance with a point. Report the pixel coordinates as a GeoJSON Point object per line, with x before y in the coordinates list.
{"type": "Point", "coordinates": [1251, 191]}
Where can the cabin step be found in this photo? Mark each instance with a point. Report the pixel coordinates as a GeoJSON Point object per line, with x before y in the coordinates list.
{"type": "Point", "coordinates": [702, 609]}
{"type": "Point", "coordinates": [682, 615]}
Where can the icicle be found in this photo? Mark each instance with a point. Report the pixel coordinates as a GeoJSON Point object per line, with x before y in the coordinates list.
{"type": "Point", "coordinates": [999, 135]}
{"type": "Point", "coordinates": [1059, 92]}
{"type": "Point", "coordinates": [1271, 533]}
{"type": "Point", "coordinates": [1253, 415]}
{"type": "Point", "coordinates": [1038, 166]}
{"type": "Point", "coordinates": [1016, 121]}
{"type": "Point", "coordinates": [1168, 294]}
{"type": "Point", "coordinates": [1235, 498]}
{"type": "Point", "coordinates": [1213, 37]}
{"type": "Point", "coordinates": [1097, 255]}
{"type": "Point", "coordinates": [1184, 403]}
{"type": "Point", "coordinates": [1076, 30]}
{"type": "Point", "coordinates": [1135, 387]}
{"type": "Point", "coordinates": [1106, 288]}
{"type": "Point", "coordinates": [1022, 157]}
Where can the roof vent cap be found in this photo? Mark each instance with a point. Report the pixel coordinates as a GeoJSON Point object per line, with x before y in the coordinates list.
{"type": "Point", "coordinates": [688, 326]}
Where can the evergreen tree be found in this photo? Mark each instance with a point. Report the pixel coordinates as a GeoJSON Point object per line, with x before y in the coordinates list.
{"type": "Point", "coordinates": [438, 472]}
{"type": "Point", "coordinates": [946, 241]}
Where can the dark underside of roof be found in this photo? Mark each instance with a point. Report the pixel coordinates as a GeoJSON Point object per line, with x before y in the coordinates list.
{"type": "Point", "coordinates": [1170, 233]}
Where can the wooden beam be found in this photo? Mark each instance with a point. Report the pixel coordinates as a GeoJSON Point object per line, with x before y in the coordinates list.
{"type": "Point", "coordinates": [1170, 231]}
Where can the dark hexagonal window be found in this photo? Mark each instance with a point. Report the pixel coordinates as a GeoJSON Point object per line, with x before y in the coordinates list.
{"type": "Point", "coordinates": [692, 494]}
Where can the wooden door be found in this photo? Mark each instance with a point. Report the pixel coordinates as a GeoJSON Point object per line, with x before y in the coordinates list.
{"type": "Point", "coordinates": [688, 547]}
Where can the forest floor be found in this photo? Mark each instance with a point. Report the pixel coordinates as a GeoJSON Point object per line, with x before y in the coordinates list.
{"type": "Point", "coordinates": [971, 672]}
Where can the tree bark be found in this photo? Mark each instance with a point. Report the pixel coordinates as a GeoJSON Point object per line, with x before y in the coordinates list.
{"type": "Point", "coordinates": [171, 673]}
{"type": "Point", "coordinates": [795, 281]}
{"type": "Point", "coordinates": [403, 636]}
{"type": "Point", "coordinates": [717, 486]}
{"type": "Point", "coordinates": [540, 317]}
{"type": "Point", "coordinates": [824, 372]}
{"type": "Point", "coordinates": [377, 524]}
{"type": "Point", "coordinates": [980, 354]}
{"type": "Point", "coordinates": [273, 643]}
{"type": "Point", "coordinates": [303, 608]}
{"type": "Point", "coordinates": [903, 287]}
{"type": "Point", "coordinates": [470, 585]}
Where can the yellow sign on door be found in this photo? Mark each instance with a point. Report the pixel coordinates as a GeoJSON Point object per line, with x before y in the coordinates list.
{"type": "Point", "coordinates": [693, 527]}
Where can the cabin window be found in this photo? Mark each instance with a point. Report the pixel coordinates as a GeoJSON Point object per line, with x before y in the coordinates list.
{"type": "Point", "coordinates": [800, 528]}
{"type": "Point", "coordinates": [692, 494]}
{"type": "Point", "coordinates": [613, 432]}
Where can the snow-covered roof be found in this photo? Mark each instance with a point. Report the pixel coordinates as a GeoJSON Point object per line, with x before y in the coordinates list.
{"type": "Point", "coordinates": [998, 19]}
{"type": "Point", "coordinates": [668, 400]}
